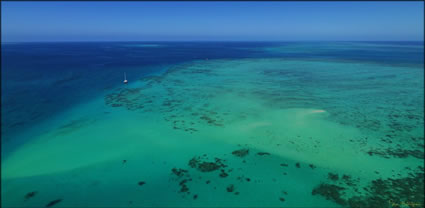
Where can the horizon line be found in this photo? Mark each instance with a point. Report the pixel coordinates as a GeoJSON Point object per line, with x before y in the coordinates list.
{"type": "Point", "coordinates": [79, 41]}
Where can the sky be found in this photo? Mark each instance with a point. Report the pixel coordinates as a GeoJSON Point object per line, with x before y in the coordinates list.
{"type": "Point", "coordinates": [212, 21]}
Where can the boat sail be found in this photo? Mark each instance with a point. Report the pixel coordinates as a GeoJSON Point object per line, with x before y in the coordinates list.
{"type": "Point", "coordinates": [125, 78]}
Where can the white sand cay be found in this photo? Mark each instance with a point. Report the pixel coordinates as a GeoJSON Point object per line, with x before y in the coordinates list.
{"type": "Point", "coordinates": [318, 111]}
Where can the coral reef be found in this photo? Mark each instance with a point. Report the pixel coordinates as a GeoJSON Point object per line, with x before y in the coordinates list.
{"type": "Point", "coordinates": [400, 153]}
{"type": "Point", "coordinates": [203, 166]}
{"type": "Point", "coordinates": [230, 188]}
{"type": "Point", "coordinates": [333, 177]}
{"type": "Point", "coordinates": [30, 194]}
{"type": "Point", "coordinates": [241, 152]}
{"type": "Point", "coordinates": [53, 202]}
{"type": "Point", "coordinates": [330, 192]}
{"type": "Point", "coordinates": [407, 191]}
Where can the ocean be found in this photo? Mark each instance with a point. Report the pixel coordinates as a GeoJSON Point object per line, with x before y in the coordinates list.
{"type": "Point", "coordinates": [212, 124]}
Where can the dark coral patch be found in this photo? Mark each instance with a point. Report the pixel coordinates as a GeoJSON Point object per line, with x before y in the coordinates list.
{"type": "Point", "coordinates": [241, 152]}
{"type": "Point", "coordinates": [208, 166]}
{"type": "Point", "coordinates": [230, 188]}
{"type": "Point", "coordinates": [408, 191]}
{"type": "Point", "coordinates": [53, 202]}
{"type": "Point", "coordinates": [399, 153]}
{"type": "Point", "coordinates": [184, 188]}
{"type": "Point", "coordinates": [30, 194]}
{"type": "Point", "coordinates": [330, 192]}
{"type": "Point", "coordinates": [178, 172]}
{"type": "Point", "coordinates": [204, 166]}
{"type": "Point", "coordinates": [333, 177]}
{"type": "Point", "coordinates": [223, 174]}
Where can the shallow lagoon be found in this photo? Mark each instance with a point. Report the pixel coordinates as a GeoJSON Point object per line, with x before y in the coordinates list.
{"type": "Point", "coordinates": [255, 131]}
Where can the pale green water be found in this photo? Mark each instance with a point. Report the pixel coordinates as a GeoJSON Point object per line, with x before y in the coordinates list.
{"type": "Point", "coordinates": [328, 114]}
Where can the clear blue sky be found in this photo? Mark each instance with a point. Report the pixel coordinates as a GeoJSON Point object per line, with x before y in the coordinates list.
{"type": "Point", "coordinates": [212, 21]}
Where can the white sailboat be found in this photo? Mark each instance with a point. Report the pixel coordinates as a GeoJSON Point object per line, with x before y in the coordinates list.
{"type": "Point", "coordinates": [125, 79]}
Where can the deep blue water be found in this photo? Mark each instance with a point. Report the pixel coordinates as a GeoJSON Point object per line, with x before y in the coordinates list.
{"type": "Point", "coordinates": [40, 80]}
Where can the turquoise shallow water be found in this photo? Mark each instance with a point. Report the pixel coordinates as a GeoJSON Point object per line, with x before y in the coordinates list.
{"type": "Point", "coordinates": [256, 131]}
